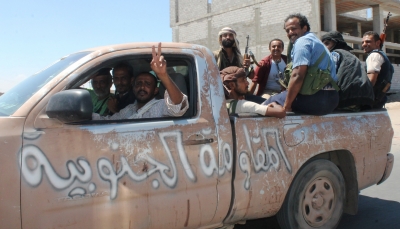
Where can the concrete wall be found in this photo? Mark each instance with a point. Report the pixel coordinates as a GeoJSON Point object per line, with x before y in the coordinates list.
{"type": "Point", "coordinates": [395, 88]}
{"type": "Point", "coordinates": [199, 21]}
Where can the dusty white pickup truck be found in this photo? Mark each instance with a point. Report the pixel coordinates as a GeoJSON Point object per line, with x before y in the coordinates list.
{"type": "Point", "coordinates": [206, 169]}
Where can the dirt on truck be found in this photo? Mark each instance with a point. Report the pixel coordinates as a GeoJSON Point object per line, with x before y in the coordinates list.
{"type": "Point", "coordinates": [206, 169]}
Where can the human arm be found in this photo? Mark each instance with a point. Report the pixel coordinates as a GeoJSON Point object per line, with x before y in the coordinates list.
{"type": "Point", "coordinates": [122, 114]}
{"type": "Point", "coordinates": [253, 87]}
{"type": "Point", "coordinates": [244, 106]}
{"type": "Point", "coordinates": [175, 110]}
{"type": "Point", "coordinates": [373, 77]}
{"type": "Point", "coordinates": [275, 110]}
{"type": "Point", "coordinates": [374, 63]}
{"type": "Point", "coordinates": [159, 66]}
{"type": "Point", "coordinates": [246, 65]}
{"type": "Point", "coordinates": [261, 75]}
{"type": "Point", "coordinates": [336, 59]}
{"type": "Point", "coordinates": [296, 81]}
{"type": "Point", "coordinates": [301, 54]}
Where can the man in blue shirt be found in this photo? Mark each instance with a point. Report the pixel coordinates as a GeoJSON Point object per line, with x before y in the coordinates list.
{"type": "Point", "coordinates": [307, 51]}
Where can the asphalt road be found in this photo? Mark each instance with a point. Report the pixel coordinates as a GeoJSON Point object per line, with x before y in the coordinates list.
{"type": "Point", "coordinates": [379, 205]}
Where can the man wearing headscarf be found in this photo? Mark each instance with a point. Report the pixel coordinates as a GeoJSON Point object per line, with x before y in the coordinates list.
{"type": "Point", "coordinates": [229, 52]}
{"type": "Point", "coordinates": [229, 55]}
{"type": "Point", "coordinates": [356, 91]}
{"type": "Point", "coordinates": [234, 79]}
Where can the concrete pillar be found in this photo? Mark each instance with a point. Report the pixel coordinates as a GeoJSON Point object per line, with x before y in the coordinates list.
{"type": "Point", "coordinates": [377, 17]}
{"type": "Point", "coordinates": [377, 22]}
{"type": "Point", "coordinates": [329, 15]}
{"type": "Point", "coordinates": [315, 19]}
{"type": "Point", "coordinates": [396, 40]}
{"type": "Point", "coordinates": [390, 38]}
{"type": "Point", "coordinates": [176, 32]}
{"type": "Point", "coordinates": [257, 25]}
{"type": "Point", "coordinates": [209, 33]}
{"type": "Point", "coordinates": [356, 32]}
{"type": "Point", "coordinates": [176, 11]}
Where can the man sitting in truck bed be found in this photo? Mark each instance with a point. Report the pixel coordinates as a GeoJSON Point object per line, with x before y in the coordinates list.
{"type": "Point", "coordinates": [236, 83]}
{"type": "Point", "coordinates": [312, 87]}
{"type": "Point", "coordinates": [175, 103]}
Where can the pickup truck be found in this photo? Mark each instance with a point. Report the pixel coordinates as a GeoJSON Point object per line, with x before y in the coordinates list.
{"type": "Point", "coordinates": [206, 169]}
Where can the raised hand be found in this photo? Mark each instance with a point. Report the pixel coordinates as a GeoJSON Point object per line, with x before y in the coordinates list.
{"type": "Point", "coordinates": [246, 63]}
{"type": "Point", "coordinates": [158, 64]}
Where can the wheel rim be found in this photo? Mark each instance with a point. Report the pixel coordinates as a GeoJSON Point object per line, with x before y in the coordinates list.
{"type": "Point", "coordinates": [318, 202]}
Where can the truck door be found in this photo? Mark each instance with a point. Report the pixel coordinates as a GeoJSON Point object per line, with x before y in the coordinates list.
{"type": "Point", "coordinates": [149, 173]}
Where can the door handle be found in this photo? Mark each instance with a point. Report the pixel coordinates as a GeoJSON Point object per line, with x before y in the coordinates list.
{"type": "Point", "coordinates": [198, 142]}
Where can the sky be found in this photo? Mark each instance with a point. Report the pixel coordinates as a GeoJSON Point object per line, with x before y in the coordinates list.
{"type": "Point", "coordinates": [34, 34]}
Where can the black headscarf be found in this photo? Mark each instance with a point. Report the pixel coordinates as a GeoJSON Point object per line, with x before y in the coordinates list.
{"type": "Point", "coordinates": [338, 39]}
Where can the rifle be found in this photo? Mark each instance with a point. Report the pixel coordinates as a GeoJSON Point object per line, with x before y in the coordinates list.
{"type": "Point", "coordinates": [382, 36]}
{"type": "Point", "coordinates": [380, 89]}
{"type": "Point", "coordinates": [248, 54]}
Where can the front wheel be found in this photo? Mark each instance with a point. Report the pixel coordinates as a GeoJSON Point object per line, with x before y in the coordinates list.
{"type": "Point", "coordinates": [315, 198]}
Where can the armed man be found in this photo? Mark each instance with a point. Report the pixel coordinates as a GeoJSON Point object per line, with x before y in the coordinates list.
{"type": "Point", "coordinates": [379, 68]}
{"type": "Point", "coordinates": [229, 55]}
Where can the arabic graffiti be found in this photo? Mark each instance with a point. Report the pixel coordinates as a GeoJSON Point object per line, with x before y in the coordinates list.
{"type": "Point", "coordinates": [34, 164]}
{"type": "Point", "coordinates": [262, 160]}
{"type": "Point", "coordinates": [106, 171]}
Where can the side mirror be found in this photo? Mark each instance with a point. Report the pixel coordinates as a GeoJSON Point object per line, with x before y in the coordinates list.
{"type": "Point", "coordinates": [70, 106]}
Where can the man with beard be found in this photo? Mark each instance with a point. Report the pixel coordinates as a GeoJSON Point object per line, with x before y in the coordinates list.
{"type": "Point", "coordinates": [356, 90]}
{"type": "Point", "coordinates": [379, 69]}
{"type": "Point", "coordinates": [235, 81]}
{"type": "Point", "coordinates": [229, 53]}
{"type": "Point", "coordinates": [311, 88]}
{"type": "Point", "coordinates": [101, 82]}
{"type": "Point", "coordinates": [175, 103]}
{"type": "Point", "coordinates": [123, 79]}
{"type": "Point", "coordinates": [272, 68]}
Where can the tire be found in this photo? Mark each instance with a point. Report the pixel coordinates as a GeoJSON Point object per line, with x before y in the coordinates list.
{"type": "Point", "coordinates": [315, 197]}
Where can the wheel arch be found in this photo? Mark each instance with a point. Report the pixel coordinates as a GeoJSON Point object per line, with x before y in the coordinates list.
{"type": "Point", "coordinates": [344, 160]}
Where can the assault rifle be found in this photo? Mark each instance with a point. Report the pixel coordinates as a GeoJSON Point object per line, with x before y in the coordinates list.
{"type": "Point", "coordinates": [247, 55]}
{"type": "Point", "coordinates": [382, 36]}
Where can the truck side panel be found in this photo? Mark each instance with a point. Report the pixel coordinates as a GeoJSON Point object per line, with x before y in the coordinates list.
{"type": "Point", "coordinates": [270, 152]}
{"type": "Point", "coordinates": [10, 178]}
{"type": "Point", "coordinates": [150, 174]}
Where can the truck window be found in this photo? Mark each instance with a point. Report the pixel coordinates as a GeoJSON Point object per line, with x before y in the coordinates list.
{"type": "Point", "coordinates": [181, 70]}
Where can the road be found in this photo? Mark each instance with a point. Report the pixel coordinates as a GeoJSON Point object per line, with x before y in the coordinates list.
{"type": "Point", "coordinates": [379, 205]}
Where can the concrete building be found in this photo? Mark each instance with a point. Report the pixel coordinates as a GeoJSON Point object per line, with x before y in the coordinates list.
{"type": "Point", "coordinates": [199, 21]}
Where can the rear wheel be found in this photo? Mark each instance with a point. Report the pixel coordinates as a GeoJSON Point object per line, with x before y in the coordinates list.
{"type": "Point", "coordinates": [315, 198]}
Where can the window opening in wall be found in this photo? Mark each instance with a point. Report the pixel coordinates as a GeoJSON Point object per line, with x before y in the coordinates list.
{"type": "Point", "coordinates": [209, 6]}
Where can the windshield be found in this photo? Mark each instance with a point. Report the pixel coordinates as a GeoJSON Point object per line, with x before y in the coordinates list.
{"type": "Point", "coordinates": [18, 95]}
